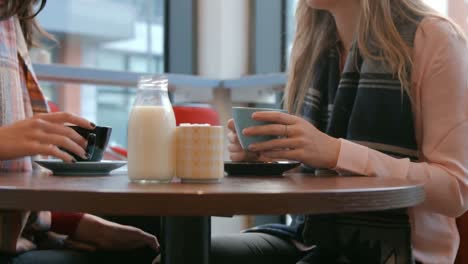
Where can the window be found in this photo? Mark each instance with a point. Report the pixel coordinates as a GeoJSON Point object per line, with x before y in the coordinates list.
{"type": "Point", "coordinates": [120, 35]}
{"type": "Point", "coordinates": [291, 6]}
{"type": "Point", "coordinates": [439, 5]}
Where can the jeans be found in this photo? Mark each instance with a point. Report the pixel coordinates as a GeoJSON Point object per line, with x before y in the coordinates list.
{"type": "Point", "coordinates": [77, 257]}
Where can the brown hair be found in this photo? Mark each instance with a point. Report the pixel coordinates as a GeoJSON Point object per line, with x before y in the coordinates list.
{"type": "Point", "coordinates": [24, 10]}
{"type": "Point", "coordinates": [316, 32]}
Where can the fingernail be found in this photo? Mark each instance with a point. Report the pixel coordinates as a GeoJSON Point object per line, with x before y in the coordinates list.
{"type": "Point", "coordinates": [73, 161]}
{"type": "Point", "coordinates": [92, 124]}
{"type": "Point", "coordinates": [84, 156]}
{"type": "Point", "coordinates": [245, 131]}
{"type": "Point", "coordinates": [252, 147]}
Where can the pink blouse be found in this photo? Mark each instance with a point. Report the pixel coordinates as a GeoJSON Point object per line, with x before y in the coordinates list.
{"type": "Point", "coordinates": [440, 107]}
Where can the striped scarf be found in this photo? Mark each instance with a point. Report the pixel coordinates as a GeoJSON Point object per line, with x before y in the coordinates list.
{"type": "Point", "coordinates": [365, 105]}
{"type": "Point", "coordinates": [20, 98]}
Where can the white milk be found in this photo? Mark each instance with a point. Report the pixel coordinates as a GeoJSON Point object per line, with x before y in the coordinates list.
{"type": "Point", "coordinates": [151, 144]}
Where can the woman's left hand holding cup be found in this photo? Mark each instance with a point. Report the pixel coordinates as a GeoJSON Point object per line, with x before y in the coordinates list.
{"type": "Point", "coordinates": [236, 152]}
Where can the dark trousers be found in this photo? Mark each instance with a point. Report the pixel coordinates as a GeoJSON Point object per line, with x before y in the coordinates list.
{"type": "Point", "coordinates": [253, 248]}
{"type": "Point", "coordinates": [259, 248]}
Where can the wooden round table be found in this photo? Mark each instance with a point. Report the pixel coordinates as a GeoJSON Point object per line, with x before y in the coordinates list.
{"type": "Point", "coordinates": [186, 207]}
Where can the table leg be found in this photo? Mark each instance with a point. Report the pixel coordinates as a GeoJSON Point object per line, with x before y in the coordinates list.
{"type": "Point", "coordinates": [185, 240]}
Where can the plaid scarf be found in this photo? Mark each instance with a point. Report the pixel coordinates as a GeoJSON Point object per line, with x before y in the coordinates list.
{"type": "Point", "coordinates": [20, 98]}
{"type": "Point", "coordinates": [20, 94]}
{"type": "Point", "coordinates": [365, 105]}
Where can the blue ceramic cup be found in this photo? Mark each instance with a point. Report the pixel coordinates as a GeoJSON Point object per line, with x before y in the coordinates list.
{"type": "Point", "coordinates": [243, 119]}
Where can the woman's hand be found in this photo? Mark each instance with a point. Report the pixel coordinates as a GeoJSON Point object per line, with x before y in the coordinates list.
{"type": "Point", "coordinates": [100, 234]}
{"type": "Point", "coordinates": [300, 141]}
{"type": "Point", "coordinates": [236, 152]}
{"type": "Point", "coordinates": [43, 135]}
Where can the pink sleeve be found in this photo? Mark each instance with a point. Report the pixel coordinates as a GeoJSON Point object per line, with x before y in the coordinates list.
{"type": "Point", "coordinates": [440, 88]}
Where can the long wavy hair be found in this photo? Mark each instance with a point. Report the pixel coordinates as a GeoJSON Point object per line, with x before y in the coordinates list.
{"type": "Point", "coordinates": [316, 32]}
{"type": "Point", "coordinates": [26, 11]}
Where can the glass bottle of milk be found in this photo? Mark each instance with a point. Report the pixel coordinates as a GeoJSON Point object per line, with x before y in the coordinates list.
{"type": "Point", "coordinates": [151, 133]}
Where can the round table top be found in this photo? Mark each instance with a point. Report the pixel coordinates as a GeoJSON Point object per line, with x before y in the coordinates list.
{"type": "Point", "coordinates": [293, 193]}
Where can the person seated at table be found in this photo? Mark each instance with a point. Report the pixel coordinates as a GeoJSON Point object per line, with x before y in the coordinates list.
{"type": "Point", "coordinates": [378, 89]}
{"type": "Point", "coordinates": [26, 130]}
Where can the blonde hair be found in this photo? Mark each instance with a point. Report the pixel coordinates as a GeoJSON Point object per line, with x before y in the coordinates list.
{"type": "Point", "coordinates": [316, 33]}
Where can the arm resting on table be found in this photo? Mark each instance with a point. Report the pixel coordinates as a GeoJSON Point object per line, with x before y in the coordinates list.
{"type": "Point", "coordinates": [440, 107]}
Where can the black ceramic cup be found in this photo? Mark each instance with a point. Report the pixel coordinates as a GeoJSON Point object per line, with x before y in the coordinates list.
{"type": "Point", "coordinates": [98, 138]}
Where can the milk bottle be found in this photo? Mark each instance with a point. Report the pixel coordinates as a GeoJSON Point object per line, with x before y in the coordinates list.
{"type": "Point", "coordinates": [151, 133]}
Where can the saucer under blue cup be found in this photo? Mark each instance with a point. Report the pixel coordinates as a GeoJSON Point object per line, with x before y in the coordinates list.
{"type": "Point", "coordinates": [243, 119]}
{"type": "Point", "coordinates": [259, 168]}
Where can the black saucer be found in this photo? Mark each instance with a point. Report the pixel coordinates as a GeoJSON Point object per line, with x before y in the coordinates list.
{"type": "Point", "coordinates": [85, 168]}
{"type": "Point", "coordinates": [248, 168]}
